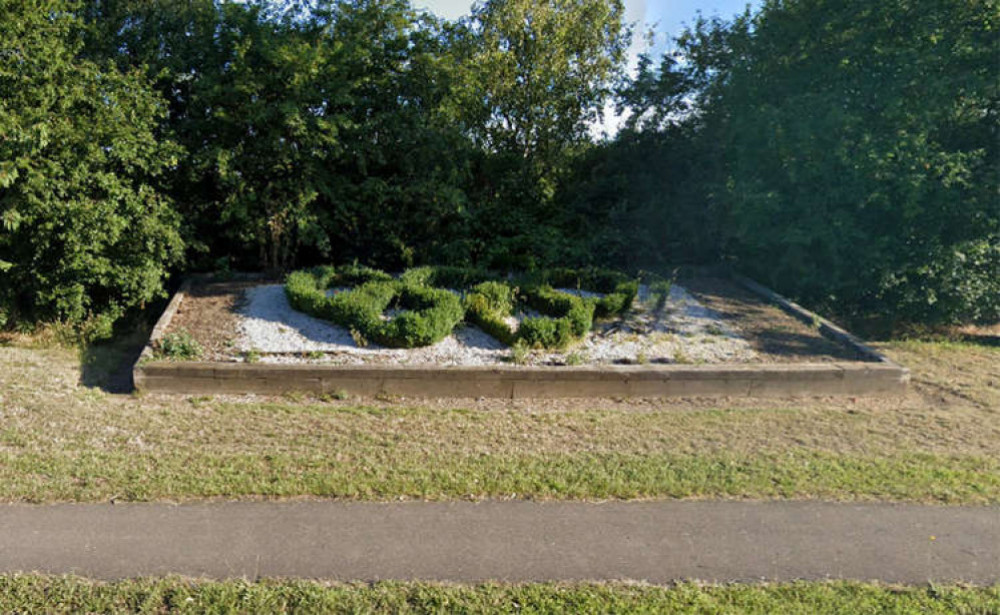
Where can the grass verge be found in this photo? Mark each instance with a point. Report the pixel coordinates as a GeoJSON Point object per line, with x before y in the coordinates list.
{"type": "Point", "coordinates": [63, 441]}
{"type": "Point", "coordinates": [72, 595]}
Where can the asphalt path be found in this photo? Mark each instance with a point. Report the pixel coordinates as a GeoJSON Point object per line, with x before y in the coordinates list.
{"type": "Point", "coordinates": [512, 541]}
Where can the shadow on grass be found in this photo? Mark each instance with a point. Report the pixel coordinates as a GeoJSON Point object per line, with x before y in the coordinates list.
{"type": "Point", "coordinates": [783, 342]}
{"type": "Point", "coordinates": [108, 365]}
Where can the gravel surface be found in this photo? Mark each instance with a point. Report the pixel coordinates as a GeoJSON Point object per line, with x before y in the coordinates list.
{"type": "Point", "coordinates": [684, 332]}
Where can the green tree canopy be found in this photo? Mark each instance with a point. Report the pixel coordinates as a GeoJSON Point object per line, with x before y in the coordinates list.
{"type": "Point", "coordinates": [857, 144]}
{"type": "Point", "coordinates": [85, 233]}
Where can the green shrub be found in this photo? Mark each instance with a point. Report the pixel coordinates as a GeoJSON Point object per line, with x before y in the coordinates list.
{"type": "Point", "coordinates": [546, 332]}
{"type": "Point", "coordinates": [178, 346]}
{"type": "Point", "coordinates": [578, 312]}
{"type": "Point", "coordinates": [566, 317]}
{"type": "Point", "coordinates": [86, 233]}
{"type": "Point", "coordinates": [619, 289]}
{"type": "Point", "coordinates": [354, 275]}
{"type": "Point", "coordinates": [618, 301]}
{"type": "Point", "coordinates": [430, 316]}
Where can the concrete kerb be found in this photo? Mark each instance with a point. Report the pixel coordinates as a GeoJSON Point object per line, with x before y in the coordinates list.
{"type": "Point", "coordinates": [878, 376]}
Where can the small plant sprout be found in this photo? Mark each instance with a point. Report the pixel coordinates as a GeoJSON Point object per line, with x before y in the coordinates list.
{"type": "Point", "coordinates": [714, 329]}
{"type": "Point", "coordinates": [576, 358]}
{"type": "Point", "coordinates": [251, 356]}
{"type": "Point", "coordinates": [359, 339]}
{"type": "Point", "coordinates": [519, 353]}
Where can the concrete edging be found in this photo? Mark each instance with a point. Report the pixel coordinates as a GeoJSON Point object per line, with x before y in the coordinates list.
{"type": "Point", "coordinates": [880, 376]}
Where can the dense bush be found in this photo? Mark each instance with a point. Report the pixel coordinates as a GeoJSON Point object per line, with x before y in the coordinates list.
{"type": "Point", "coordinates": [84, 232]}
{"type": "Point", "coordinates": [431, 313]}
{"type": "Point", "coordinates": [847, 153]}
{"type": "Point", "coordinates": [855, 152]}
{"type": "Point", "coordinates": [446, 276]}
{"type": "Point", "coordinates": [618, 288]}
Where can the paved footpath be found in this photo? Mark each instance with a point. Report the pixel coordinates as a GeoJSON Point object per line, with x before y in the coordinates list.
{"type": "Point", "coordinates": [509, 541]}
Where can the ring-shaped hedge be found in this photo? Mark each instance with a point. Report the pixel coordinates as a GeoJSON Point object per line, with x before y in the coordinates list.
{"type": "Point", "coordinates": [566, 318]}
{"type": "Point", "coordinates": [619, 289]}
{"type": "Point", "coordinates": [428, 314]}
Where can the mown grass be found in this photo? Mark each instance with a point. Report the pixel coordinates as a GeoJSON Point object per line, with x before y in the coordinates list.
{"type": "Point", "coordinates": [71, 595]}
{"type": "Point", "coordinates": [61, 441]}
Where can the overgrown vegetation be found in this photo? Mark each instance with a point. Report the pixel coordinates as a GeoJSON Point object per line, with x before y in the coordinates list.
{"type": "Point", "coordinates": [178, 345]}
{"type": "Point", "coordinates": [844, 152]}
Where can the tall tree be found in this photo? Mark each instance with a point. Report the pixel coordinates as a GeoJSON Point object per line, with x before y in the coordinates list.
{"type": "Point", "coordinates": [84, 234]}
{"type": "Point", "coordinates": [859, 146]}
{"type": "Point", "coordinates": [538, 74]}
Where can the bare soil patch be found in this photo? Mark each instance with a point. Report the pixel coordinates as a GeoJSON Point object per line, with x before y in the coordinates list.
{"type": "Point", "coordinates": [209, 312]}
{"type": "Point", "coordinates": [776, 335]}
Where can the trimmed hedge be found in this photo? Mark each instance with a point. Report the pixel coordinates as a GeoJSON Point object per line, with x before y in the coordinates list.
{"type": "Point", "coordinates": [488, 306]}
{"type": "Point", "coordinates": [567, 317]}
{"type": "Point", "coordinates": [429, 314]}
{"type": "Point", "coordinates": [446, 276]}
{"type": "Point", "coordinates": [618, 288]}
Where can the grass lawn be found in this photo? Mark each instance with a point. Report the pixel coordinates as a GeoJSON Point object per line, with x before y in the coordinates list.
{"type": "Point", "coordinates": [72, 595]}
{"type": "Point", "coordinates": [64, 441]}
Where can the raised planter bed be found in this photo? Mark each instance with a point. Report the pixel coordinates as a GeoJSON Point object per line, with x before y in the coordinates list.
{"type": "Point", "coordinates": [771, 347]}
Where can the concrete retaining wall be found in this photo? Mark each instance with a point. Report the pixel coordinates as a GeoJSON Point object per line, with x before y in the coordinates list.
{"type": "Point", "coordinates": [773, 380]}
{"type": "Point", "coordinates": [879, 376]}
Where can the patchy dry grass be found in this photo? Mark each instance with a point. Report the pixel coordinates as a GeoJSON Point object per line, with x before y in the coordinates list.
{"type": "Point", "coordinates": [60, 440]}
{"type": "Point", "coordinates": [27, 594]}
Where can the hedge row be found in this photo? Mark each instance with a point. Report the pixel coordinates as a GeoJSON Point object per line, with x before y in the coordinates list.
{"type": "Point", "coordinates": [429, 313]}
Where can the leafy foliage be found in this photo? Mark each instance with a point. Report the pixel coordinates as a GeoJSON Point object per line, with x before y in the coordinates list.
{"type": "Point", "coordinates": [846, 153]}
{"type": "Point", "coordinates": [857, 150]}
{"type": "Point", "coordinates": [489, 305]}
{"type": "Point", "coordinates": [566, 318]}
{"type": "Point", "coordinates": [84, 232]}
{"type": "Point", "coordinates": [535, 75]}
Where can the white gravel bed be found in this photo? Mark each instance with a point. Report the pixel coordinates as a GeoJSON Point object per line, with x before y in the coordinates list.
{"type": "Point", "coordinates": [684, 332]}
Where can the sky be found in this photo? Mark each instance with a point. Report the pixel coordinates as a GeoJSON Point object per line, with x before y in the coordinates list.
{"type": "Point", "coordinates": [667, 17]}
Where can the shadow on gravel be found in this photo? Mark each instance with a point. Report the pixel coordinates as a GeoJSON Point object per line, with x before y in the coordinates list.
{"type": "Point", "coordinates": [108, 365]}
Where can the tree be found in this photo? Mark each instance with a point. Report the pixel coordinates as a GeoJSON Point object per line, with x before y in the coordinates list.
{"type": "Point", "coordinates": [399, 191]}
{"type": "Point", "coordinates": [537, 76]}
{"type": "Point", "coordinates": [85, 234]}
{"type": "Point", "coordinates": [858, 151]}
